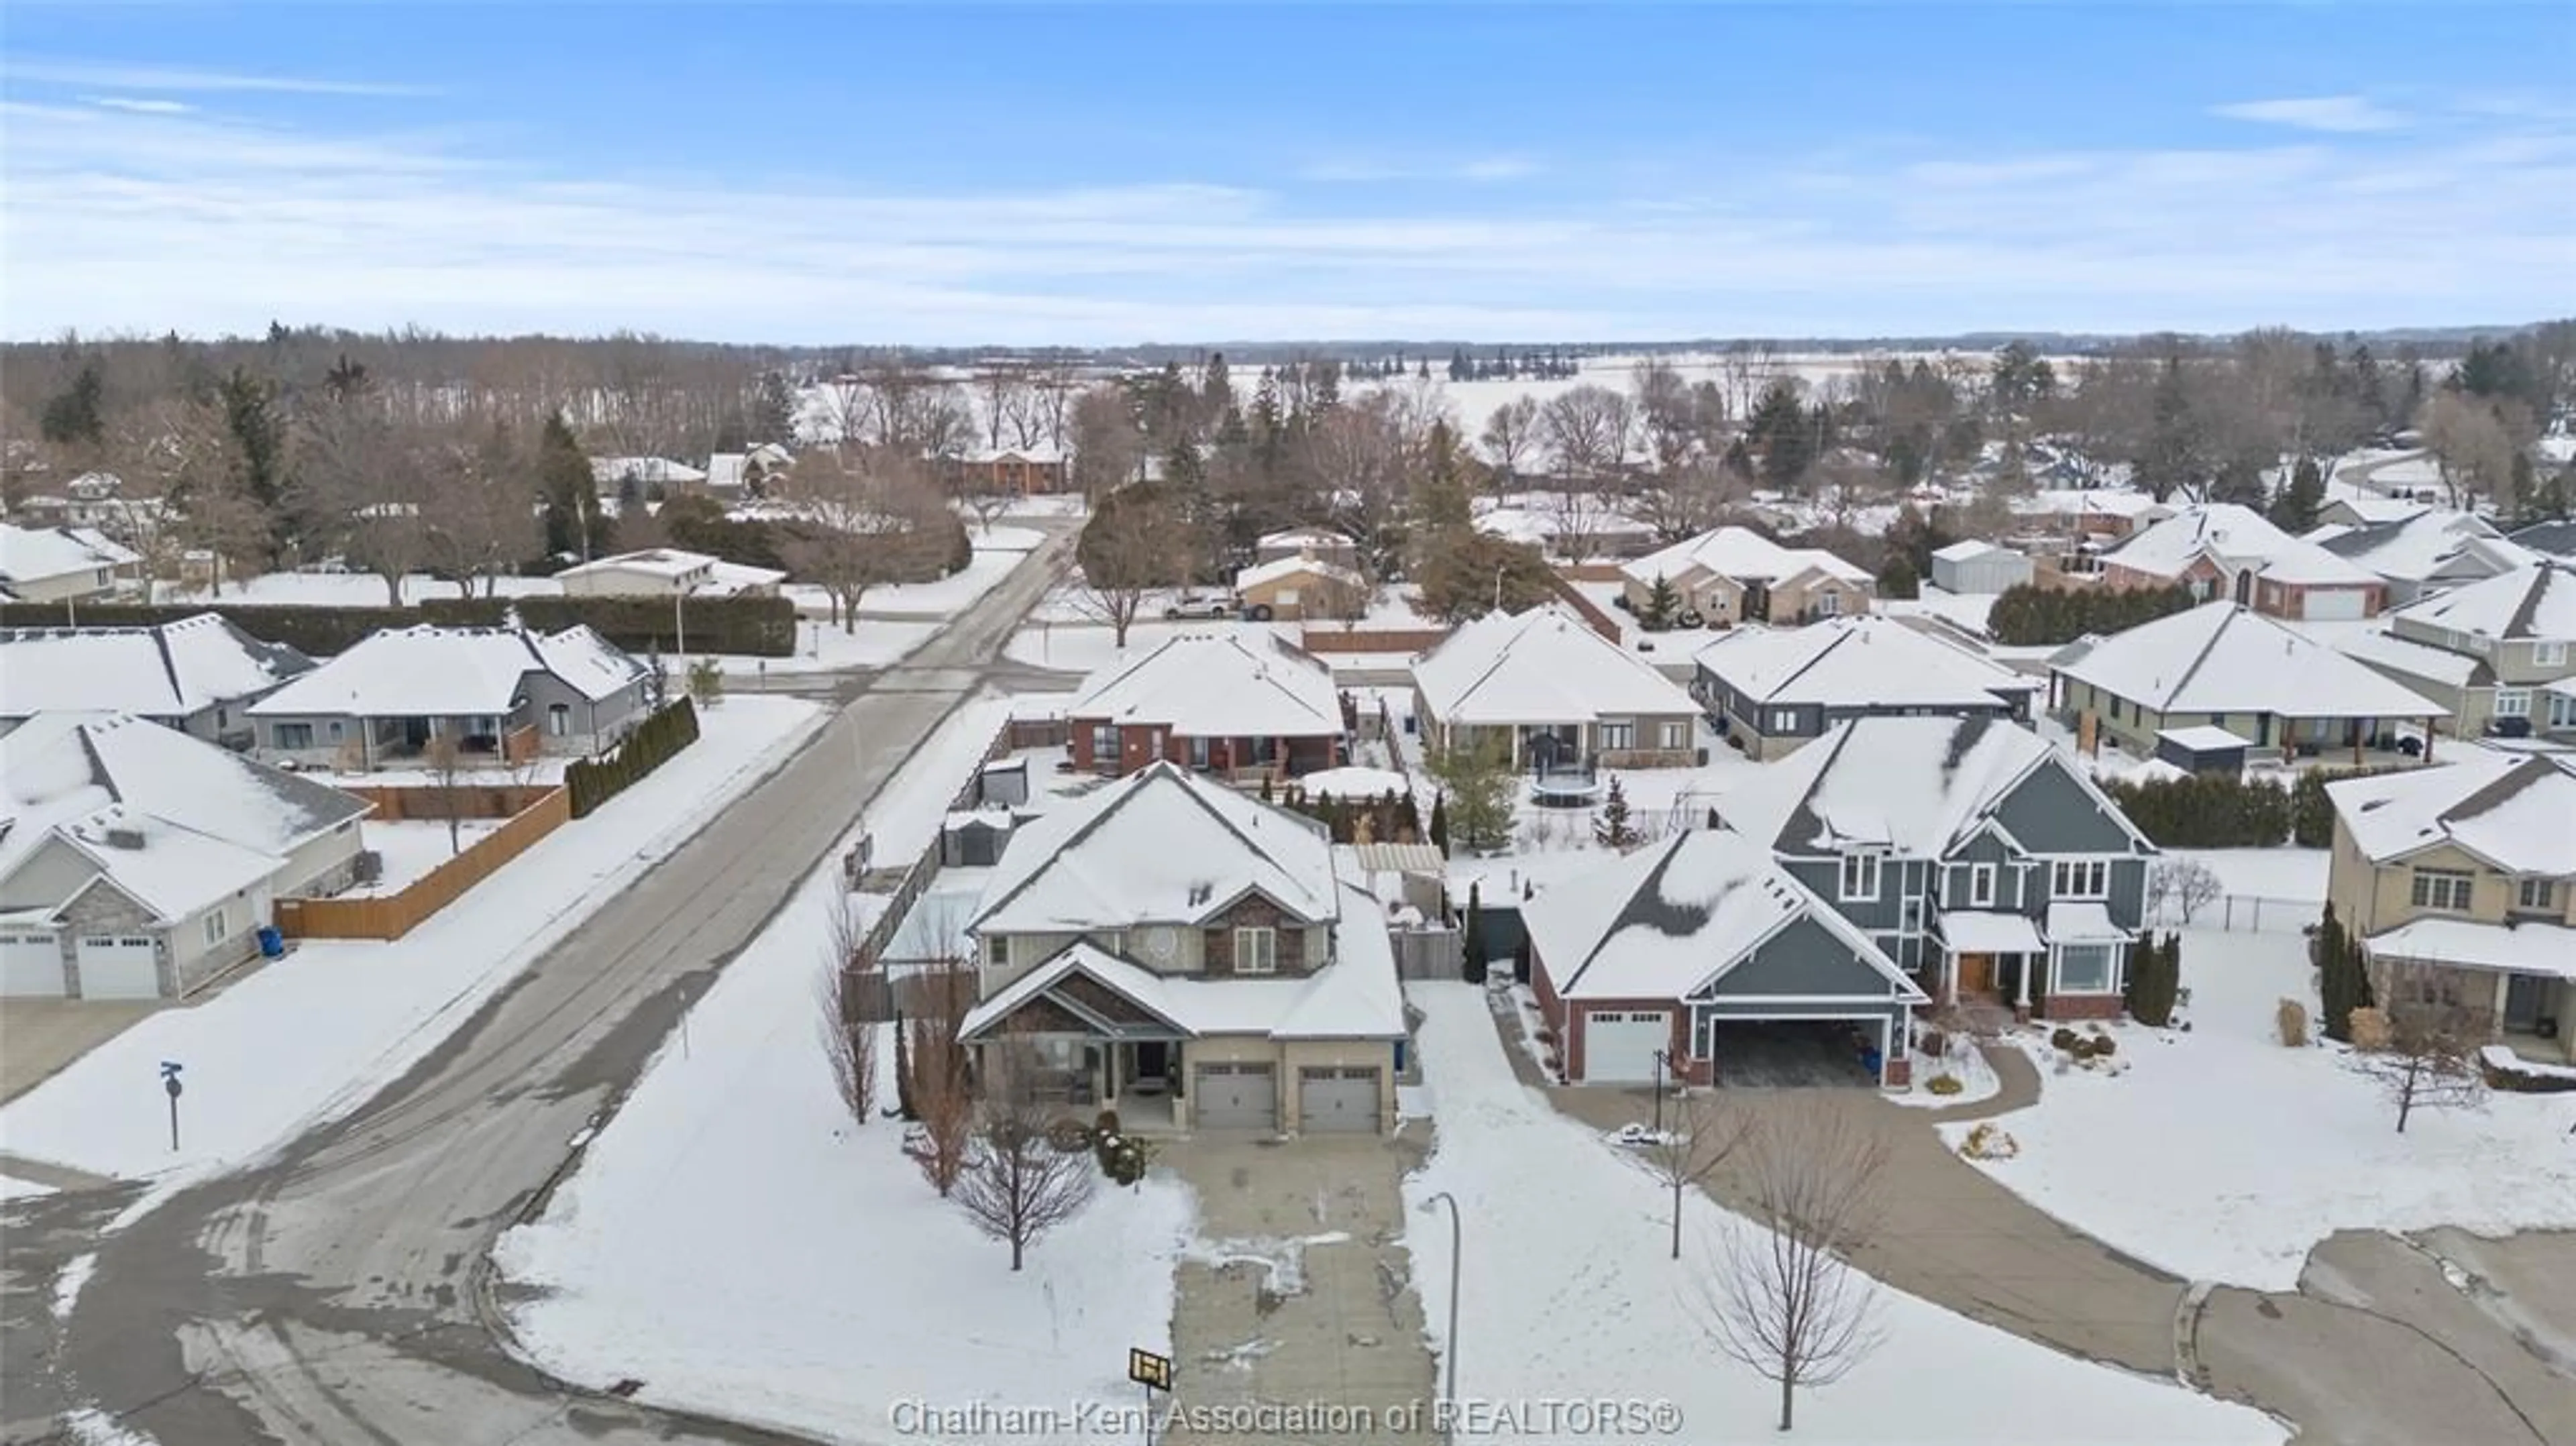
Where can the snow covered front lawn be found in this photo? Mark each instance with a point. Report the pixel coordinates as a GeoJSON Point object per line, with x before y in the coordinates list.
{"type": "Point", "coordinates": [2220, 1155]}
{"type": "Point", "coordinates": [1570, 1291]}
{"type": "Point", "coordinates": [311, 1034]}
{"type": "Point", "coordinates": [821, 1279]}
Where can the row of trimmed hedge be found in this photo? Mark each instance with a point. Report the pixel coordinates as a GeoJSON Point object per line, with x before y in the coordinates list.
{"type": "Point", "coordinates": [756, 626]}
{"type": "Point", "coordinates": [2026, 615]}
{"type": "Point", "coordinates": [655, 741]}
{"type": "Point", "coordinates": [2220, 811]}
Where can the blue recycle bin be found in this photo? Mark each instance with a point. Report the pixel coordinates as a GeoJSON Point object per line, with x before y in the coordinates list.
{"type": "Point", "coordinates": [272, 944]}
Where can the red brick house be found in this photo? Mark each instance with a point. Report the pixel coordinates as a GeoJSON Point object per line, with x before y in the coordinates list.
{"type": "Point", "coordinates": [2221, 550]}
{"type": "Point", "coordinates": [1236, 704]}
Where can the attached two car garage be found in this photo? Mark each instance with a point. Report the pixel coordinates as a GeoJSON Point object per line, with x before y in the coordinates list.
{"type": "Point", "coordinates": [112, 966]}
{"type": "Point", "coordinates": [1244, 1095]}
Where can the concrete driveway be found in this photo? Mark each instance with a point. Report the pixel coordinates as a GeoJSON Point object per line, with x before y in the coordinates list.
{"type": "Point", "coordinates": [1299, 1290]}
{"type": "Point", "coordinates": [40, 1036]}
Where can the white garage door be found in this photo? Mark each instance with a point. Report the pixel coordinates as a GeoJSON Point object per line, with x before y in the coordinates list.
{"type": "Point", "coordinates": [1619, 1045]}
{"type": "Point", "coordinates": [1235, 1097]}
{"type": "Point", "coordinates": [1337, 1100]}
{"type": "Point", "coordinates": [2334, 604]}
{"type": "Point", "coordinates": [124, 966]}
{"type": "Point", "coordinates": [31, 965]}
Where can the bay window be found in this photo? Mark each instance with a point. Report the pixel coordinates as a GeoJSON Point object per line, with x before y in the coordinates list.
{"type": "Point", "coordinates": [2083, 969]}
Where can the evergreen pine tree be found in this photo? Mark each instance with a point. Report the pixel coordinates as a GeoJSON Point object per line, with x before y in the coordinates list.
{"type": "Point", "coordinates": [903, 1103]}
{"type": "Point", "coordinates": [566, 487]}
{"type": "Point", "coordinates": [1662, 607]}
{"type": "Point", "coordinates": [2295, 510]}
{"type": "Point", "coordinates": [2340, 989]}
{"type": "Point", "coordinates": [1897, 578]}
{"type": "Point", "coordinates": [1615, 829]}
{"type": "Point", "coordinates": [1472, 940]}
{"type": "Point", "coordinates": [1440, 822]}
{"type": "Point", "coordinates": [1412, 821]}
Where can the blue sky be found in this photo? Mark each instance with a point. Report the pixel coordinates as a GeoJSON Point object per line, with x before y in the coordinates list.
{"type": "Point", "coordinates": [825, 173]}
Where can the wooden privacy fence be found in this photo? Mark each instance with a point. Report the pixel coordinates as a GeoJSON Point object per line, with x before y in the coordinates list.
{"type": "Point", "coordinates": [873, 996]}
{"type": "Point", "coordinates": [391, 916]}
{"type": "Point", "coordinates": [1326, 638]}
{"type": "Point", "coordinates": [465, 800]}
{"type": "Point", "coordinates": [1429, 954]}
{"type": "Point", "coordinates": [1590, 611]}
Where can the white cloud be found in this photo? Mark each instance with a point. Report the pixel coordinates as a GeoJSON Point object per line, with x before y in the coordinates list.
{"type": "Point", "coordinates": [138, 105]}
{"type": "Point", "coordinates": [2334, 114]}
{"type": "Point", "coordinates": [1381, 169]}
{"type": "Point", "coordinates": [184, 80]}
{"type": "Point", "coordinates": [155, 221]}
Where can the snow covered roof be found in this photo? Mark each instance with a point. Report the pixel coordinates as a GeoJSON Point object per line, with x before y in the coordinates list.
{"type": "Point", "coordinates": [2525, 947]}
{"type": "Point", "coordinates": [1858, 660]}
{"type": "Point", "coordinates": [166, 671]}
{"type": "Point", "coordinates": [2536, 600]}
{"type": "Point", "coordinates": [78, 775]}
{"type": "Point", "coordinates": [1970, 550]}
{"type": "Point", "coordinates": [1217, 685]}
{"type": "Point", "coordinates": [1540, 666]}
{"type": "Point", "coordinates": [2429, 544]}
{"type": "Point", "coordinates": [173, 870]}
{"type": "Point", "coordinates": [427, 672]}
{"type": "Point", "coordinates": [1045, 454]}
{"type": "Point", "coordinates": [1161, 846]}
{"type": "Point", "coordinates": [1739, 553]}
{"type": "Point", "coordinates": [2083, 921]}
{"type": "Point", "coordinates": [34, 554]}
{"type": "Point", "coordinates": [2517, 811]}
{"type": "Point", "coordinates": [1979, 931]}
{"type": "Point", "coordinates": [2223, 658]}
{"type": "Point", "coordinates": [1354, 783]}
{"type": "Point", "coordinates": [2409, 658]}
{"type": "Point", "coordinates": [1320, 538]}
{"type": "Point", "coordinates": [2370, 508]}
{"type": "Point", "coordinates": [1672, 918]}
{"type": "Point", "coordinates": [667, 562]}
{"type": "Point", "coordinates": [2203, 738]}
{"type": "Point", "coordinates": [1916, 786]}
{"type": "Point", "coordinates": [2557, 539]}
{"type": "Point", "coordinates": [2078, 501]}
{"type": "Point", "coordinates": [1277, 568]}
{"type": "Point", "coordinates": [1355, 996]}
{"type": "Point", "coordinates": [646, 470]}
{"type": "Point", "coordinates": [2239, 536]}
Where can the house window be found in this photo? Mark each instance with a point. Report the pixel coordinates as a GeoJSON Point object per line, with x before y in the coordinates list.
{"type": "Point", "coordinates": [1860, 876]}
{"type": "Point", "coordinates": [2548, 655]}
{"type": "Point", "coordinates": [292, 735]}
{"type": "Point", "coordinates": [1256, 951]}
{"type": "Point", "coordinates": [2441, 889]}
{"type": "Point", "coordinates": [1676, 736]}
{"type": "Point", "coordinates": [2512, 703]}
{"type": "Point", "coordinates": [335, 730]}
{"type": "Point", "coordinates": [2083, 969]}
{"type": "Point", "coordinates": [2480, 643]}
{"type": "Point", "coordinates": [1615, 736]}
{"type": "Point", "coordinates": [2562, 711]}
{"type": "Point", "coordinates": [1981, 885]}
{"type": "Point", "coordinates": [2080, 879]}
{"type": "Point", "coordinates": [2539, 894]}
{"type": "Point", "coordinates": [558, 719]}
{"type": "Point", "coordinates": [216, 931]}
{"type": "Point", "coordinates": [1104, 743]}
{"type": "Point", "coordinates": [1829, 603]}
{"type": "Point", "coordinates": [1783, 720]}
{"type": "Point", "coordinates": [1913, 915]}
{"type": "Point", "coordinates": [997, 952]}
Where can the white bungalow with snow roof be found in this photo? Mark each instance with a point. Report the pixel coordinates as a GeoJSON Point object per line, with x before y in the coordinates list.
{"type": "Point", "coordinates": [498, 692]}
{"type": "Point", "coordinates": [2226, 666]}
{"type": "Point", "coordinates": [198, 675]}
{"type": "Point", "coordinates": [2225, 551]}
{"type": "Point", "coordinates": [2424, 552]}
{"type": "Point", "coordinates": [1770, 690]}
{"type": "Point", "coordinates": [2460, 883]}
{"type": "Point", "coordinates": [1193, 958]}
{"type": "Point", "coordinates": [1241, 704]}
{"type": "Point", "coordinates": [1734, 574]}
{"type": "Point", "coordinates": [668, 572]}
{"type": "Point", "coordinates": [137, 862]}
{"type": "Point", "coordinates": [1553, 694]}
{"type": "Point", "coordinates": [65, 564]}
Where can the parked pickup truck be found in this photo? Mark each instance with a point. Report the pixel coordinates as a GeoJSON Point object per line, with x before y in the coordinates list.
{"type": "Point", "coordinates": [1186, 606]}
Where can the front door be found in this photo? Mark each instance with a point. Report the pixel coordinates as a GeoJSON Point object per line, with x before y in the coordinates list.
{"type": "Point", "coordinates": [1151, 1060]}
{"type": "Point", "coordinates": [1976, 974]}
{"type": "Point", "coordinates": [2523, 994]}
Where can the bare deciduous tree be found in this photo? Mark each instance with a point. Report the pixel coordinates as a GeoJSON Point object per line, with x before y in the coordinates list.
{"type": "Point", "coordinates": [371, 473]}
{"type": "Point", "coordinates": [1511, 435]}
{"type": "Point", "coordinates": [2471, 444]}
{"type": "Point", "coordinates": [1016, 1186]}
{"type": "Point", "coordinates": [2423, 1046]}
{"type": "Point", "coordinates": [866, 517]}
{"type": "Point", "coordinates": [1704, 1135]}
{"type": "Point", "coordinates": [1588, 430]}
{"type": "Point", "coordinates": [1135, 542]}
{"type": "Point", "coordinates": [1579, 513]}
{"type": "Point", "coordinates": [849, 1027]}
{"type": "Point", "coordinates": [444, 760]}
{"type": "Point", "coordinates": [1746, 372]}
{"type": "Point", "coordinates": [480, 516]}
{"type": "Point", "coordinates": [941, 1090]}
{"type": "Point", "coordinates": [1684, 501]}
{"type": "Point", "coordinates": [2185, 886]}
{"type": "Point", "coordinates": [1108, 445]}
{"type": "Point", "coordinates": [1785, 1300]}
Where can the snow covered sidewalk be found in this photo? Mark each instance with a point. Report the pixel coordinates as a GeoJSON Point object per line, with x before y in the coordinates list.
{"type": "Point", "coordinates": [1570, 1292]}
{"type": "Point", "coordinates": [826, 1288]}
{"type": "Point", "coordinates": [2220, 1155]}
{"type": "Point", "coordinates": [310, 1035]}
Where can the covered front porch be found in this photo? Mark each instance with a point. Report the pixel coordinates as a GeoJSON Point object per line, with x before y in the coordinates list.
{"type": "Point", "coordinates": [2068, 967]}
{"type": "Point", "coordinates": [2519, 978]}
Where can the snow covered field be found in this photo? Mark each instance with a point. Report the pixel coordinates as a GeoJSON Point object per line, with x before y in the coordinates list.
{"type": "Point", "coordinates": [310, 1035]}
{"type": "Point", "coordinates": [1569, 1291]}
{"type": "Point", "coordinates": [411, 848]}
{"type": "Point", "coordinates": [822, 1279]}
{"type": "Point", "coordinates": [2221, 1155]}
{"type": "Point", "coordinates": [349, 590]}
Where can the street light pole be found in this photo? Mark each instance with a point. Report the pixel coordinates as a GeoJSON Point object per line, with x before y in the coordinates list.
{"type": "Point", "coordinates": [1663, 1061]}
{"type": "Point", "coordinates": [1449, 1365]}
{"type": "Point", "coordinates": [680, 624]}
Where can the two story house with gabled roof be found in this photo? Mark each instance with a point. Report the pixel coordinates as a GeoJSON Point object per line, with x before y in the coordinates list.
{"type": "Point", "coordinates": [1199, 959]}
{"type": "Point", "coordinates": [1970, 851]}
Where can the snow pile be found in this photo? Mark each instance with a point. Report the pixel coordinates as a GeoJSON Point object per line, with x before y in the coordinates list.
{"type": "Point", "coordinates": [1570, 1291]}
{"type": "Point", "coordinates": [2220, 1155]}
{"type": "Point", "coordinates": [822, 1280]}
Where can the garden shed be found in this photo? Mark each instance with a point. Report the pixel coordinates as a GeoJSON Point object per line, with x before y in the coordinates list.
{"type": "Point", "coordinates": [2202, 748]}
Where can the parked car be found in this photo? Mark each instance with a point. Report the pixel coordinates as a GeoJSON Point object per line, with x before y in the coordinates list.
{"type": "Point", "coordinates": [1187, 606]}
